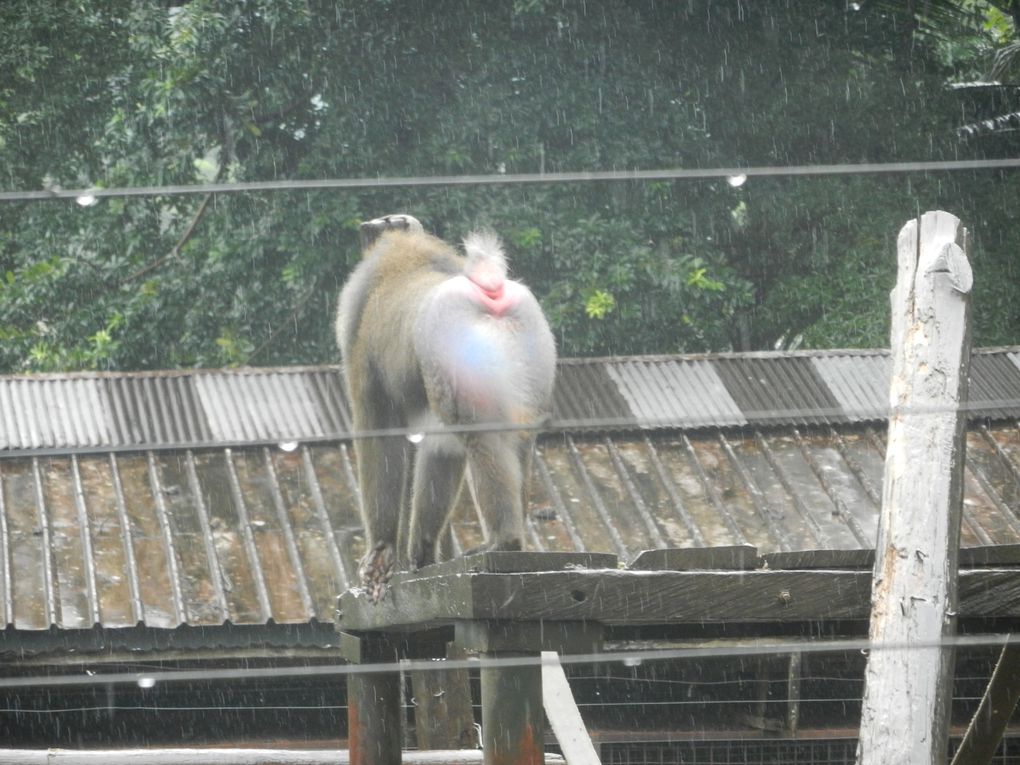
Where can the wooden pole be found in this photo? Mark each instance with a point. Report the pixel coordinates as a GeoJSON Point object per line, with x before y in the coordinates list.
{"type": "Point", "coordinates": [908, 681]}
{"type": "Point", "coordinates": [374, 722]}
{"type": "Point", "coordinates": [513, 723]}
{"type": "Point", "coordinates": [213, 756]}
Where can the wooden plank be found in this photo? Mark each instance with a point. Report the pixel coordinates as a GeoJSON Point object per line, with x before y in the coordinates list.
{"type": "Point", "coordinates": [907, 693]}
{"type": "Point", "coordinates": [563, 636]}
{"type": "Point", "coordinates": [516, 562]}
{"type": "Point", "coordinates": [677, 597]}
{"type": "Point", "coordinates": [443, 718]}
{"type": "Point", "coordinates": [563, 714]}
{"type": "Point", "coordinates": [183, 756]}
{"type": "Point", "coordinates": [660, 597]}
{"type": "Point", "coordinates": [731, 557]}
{"type": "Point", "coordinates": [994, 712]}
{"type": "Point", "coordinates": [820, 559]}
{"type": "Point", "coordinates": [990, 555]}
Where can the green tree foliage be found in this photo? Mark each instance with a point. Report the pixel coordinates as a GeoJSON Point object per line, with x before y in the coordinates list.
{"type": "Point", "coordinates": [109, 93]}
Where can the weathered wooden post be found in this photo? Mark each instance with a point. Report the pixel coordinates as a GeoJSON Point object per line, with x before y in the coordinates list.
{"type": "Point", "coordinates": [908, 681]}
{"type": "Point", "coordinates": [373, 701]}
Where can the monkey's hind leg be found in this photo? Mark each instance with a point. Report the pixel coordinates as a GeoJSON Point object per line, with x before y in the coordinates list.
{"type": "Point", "coordinates": [438, 476]}
{"type": "Point", "coordinates": [497, 476]}
{"type": "Point", "coordinates": [382, 471]}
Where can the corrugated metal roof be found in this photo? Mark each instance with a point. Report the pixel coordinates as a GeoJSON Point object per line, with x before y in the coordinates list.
{"type": "Point", "coordinates": [675, 390]}
{"type": "Point", "coordinates": [269, 406]}
{"type": "Point", "coordinates": [262, 535]}
{"type": "Point", "coordinates": [207, 499]}
{"type": "Point", "coordinates": [177, 408]}
{"type": "Point", "coordinates": [859, 383]}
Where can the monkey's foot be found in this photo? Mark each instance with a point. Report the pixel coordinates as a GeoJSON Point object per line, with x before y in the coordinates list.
{"type": "Point", "coordinates": [376, 570]}
{"type": "Point", "coordinates": [372, 229]}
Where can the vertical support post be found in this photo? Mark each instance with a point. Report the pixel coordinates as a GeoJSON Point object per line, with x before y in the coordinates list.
{"type": "Point", "coordinates": [442, 712]}
{"type": "Point", "coordinates": [374, 734]}
{"type": "Point", "coordinates": [793, 692]}
{"type": "Point", "coordinates": [373, 718]}
{"type": "Point", "coordinates": [908, 680]}
{"type": "Point", "coordinates": [513, 721]}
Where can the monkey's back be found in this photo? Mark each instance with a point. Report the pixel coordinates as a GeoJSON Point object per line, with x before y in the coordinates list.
{"type": "Point", "coordinates": [380, 302]}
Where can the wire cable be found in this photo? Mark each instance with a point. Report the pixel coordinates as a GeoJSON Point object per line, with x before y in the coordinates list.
{"type": "Point", "coordinates": [507, 179]}
{"type": "Point", "coordinates": [628, 658]}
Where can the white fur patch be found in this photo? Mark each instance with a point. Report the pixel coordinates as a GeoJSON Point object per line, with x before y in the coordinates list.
{"type": "Point", "coordinates": [485, 245]}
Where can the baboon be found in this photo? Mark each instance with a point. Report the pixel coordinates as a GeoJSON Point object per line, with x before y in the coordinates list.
{"type": "Point", "coordinates": [432, 338]}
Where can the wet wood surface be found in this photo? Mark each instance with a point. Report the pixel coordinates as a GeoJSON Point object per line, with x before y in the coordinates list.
{"type": "Point", "coordinates": [620, 596]}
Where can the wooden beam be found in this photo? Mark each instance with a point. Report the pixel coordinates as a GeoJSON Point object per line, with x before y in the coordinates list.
{"type": "Point", "coordinates": [908, 680]}
{"type": "Point", "coordinates": [214, 756]}
{"type": "Point", "coordinates": [563, 714]}
{"type": "Point", "coordinates": [662, 597]}
{"type": "Point", "coordinates": [993, 714]}
{"type": "Point", "coordinates": [693, 558]}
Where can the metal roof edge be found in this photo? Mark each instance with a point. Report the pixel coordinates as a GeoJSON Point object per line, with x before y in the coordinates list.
{"type": "Point", "coordinates": [113, 412]}
{"type": "Point", "coordinates": [20, 643]}
{"type": "Point", "coordinates": [565, 361]}
{"type": "Point", "coordinates": [163, 373]}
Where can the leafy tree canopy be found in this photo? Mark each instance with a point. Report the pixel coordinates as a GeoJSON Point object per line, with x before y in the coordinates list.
{"type": "Point", "coordinates": [114, 93]}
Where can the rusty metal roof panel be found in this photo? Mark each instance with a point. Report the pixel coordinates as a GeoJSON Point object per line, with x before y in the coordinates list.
{"type": "Point", "coordinates": [269, 534]}
{"type": "Point", "coordinates": [173, 538]}
{"type": "Point", "coordinates": [779, 490]}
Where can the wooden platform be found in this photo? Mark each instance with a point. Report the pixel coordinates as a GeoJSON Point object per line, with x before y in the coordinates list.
{"type": "Point", "coordinates": [663, 587]}
{"type": "Point", "coordinates": [516, 605]}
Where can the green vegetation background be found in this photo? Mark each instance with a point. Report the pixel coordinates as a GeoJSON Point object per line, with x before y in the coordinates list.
{"type": "Point", "coordinates": [118, 93]}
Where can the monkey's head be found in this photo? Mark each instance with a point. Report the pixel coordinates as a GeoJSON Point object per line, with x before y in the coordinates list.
{"type": "Point", "coordinates": [371, 230]}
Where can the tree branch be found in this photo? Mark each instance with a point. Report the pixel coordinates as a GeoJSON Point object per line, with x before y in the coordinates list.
{"type": "Point", "coordinates": [176, 249]}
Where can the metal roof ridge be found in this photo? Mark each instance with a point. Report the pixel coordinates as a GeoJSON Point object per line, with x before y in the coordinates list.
{"type": "Point", "coordinates": [811, 353]}
{"type": "Point", "coordinates": [167, 373]}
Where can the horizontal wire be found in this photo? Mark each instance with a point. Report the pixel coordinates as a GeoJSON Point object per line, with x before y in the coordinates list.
{"type": "Point", "coordinates": [337, 707]}
{"type": "Point", "coordinates": [500, 179]}
{"type": "Point", "coordinates": [627, 658]}
{"type": "Point", "coordinates": [748, 419]}
{"type": "Point", "coordinates": [153, 708]}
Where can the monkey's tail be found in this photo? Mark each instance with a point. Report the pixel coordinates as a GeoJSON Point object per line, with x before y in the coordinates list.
{"type": "Point", "coordinates": [484, 246]}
